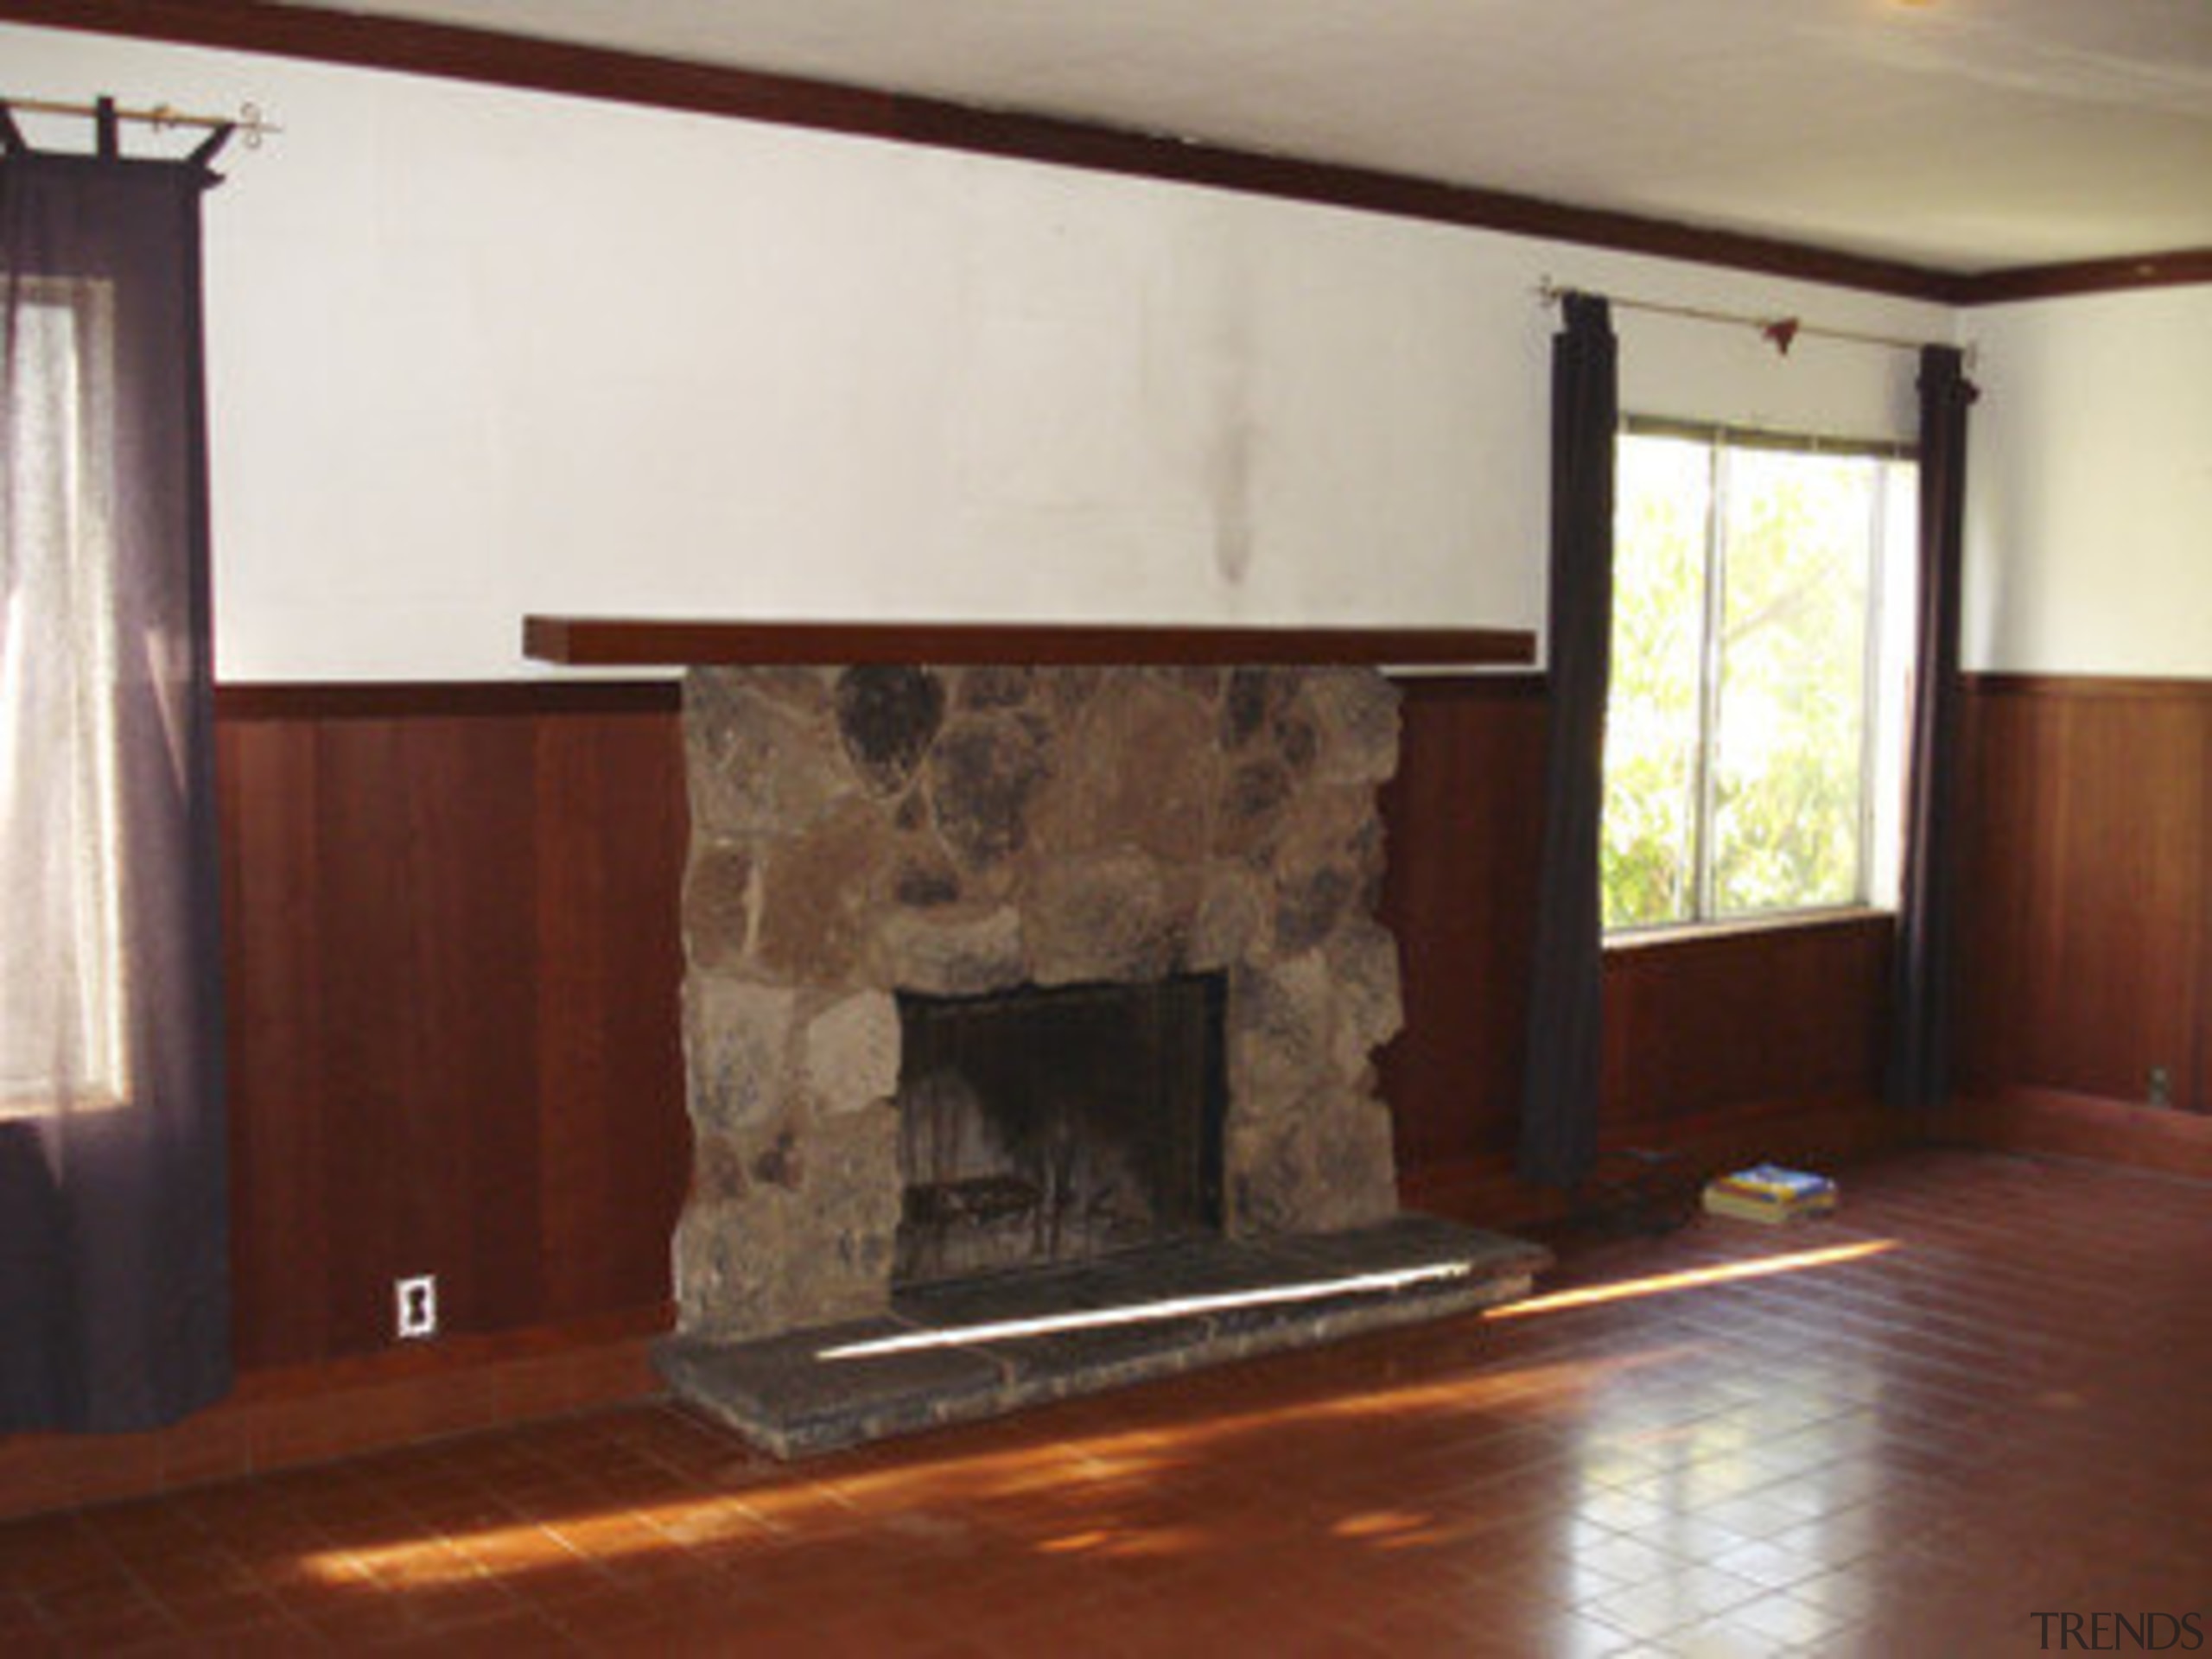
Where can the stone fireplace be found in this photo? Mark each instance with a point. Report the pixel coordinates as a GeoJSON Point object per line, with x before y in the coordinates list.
{"type": "Point", "coordinates": [944, 833]}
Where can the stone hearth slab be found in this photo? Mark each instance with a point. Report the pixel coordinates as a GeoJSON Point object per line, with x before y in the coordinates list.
{"type": "Point", "coordinates": [782, 1395]}
{"type": "Point", "coordinates": [979, 1348]}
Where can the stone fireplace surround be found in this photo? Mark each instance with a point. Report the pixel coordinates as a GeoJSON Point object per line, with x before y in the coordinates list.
{"type": "Point", "coordinates": [957, 830]}
{"type": "Point", "coordinates": [1160, 797]}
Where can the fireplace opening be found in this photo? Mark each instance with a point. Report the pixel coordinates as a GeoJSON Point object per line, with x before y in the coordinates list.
{"type": "Point", "coordinates": [1047, 1126]}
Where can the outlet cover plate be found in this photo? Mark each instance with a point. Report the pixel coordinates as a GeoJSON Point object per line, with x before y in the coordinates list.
{"type": "Point", "coordinates": [415, 1307]}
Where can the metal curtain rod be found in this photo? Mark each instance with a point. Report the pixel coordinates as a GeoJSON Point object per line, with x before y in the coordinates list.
{"type": "Point", "coordinates": [1778, 332]}
{"type": "Point", "coordinates": [249, 123]}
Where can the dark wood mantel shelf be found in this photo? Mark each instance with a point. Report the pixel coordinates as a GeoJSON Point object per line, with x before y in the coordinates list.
{"type": "Point", "coordinates": [603, 642]}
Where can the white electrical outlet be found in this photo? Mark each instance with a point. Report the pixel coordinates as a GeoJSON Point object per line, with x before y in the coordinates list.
{"type": "Point", "coordinates": [415, 1307]}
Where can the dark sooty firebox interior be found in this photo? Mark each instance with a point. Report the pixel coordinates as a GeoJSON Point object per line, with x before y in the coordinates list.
{"type": "Point", "coordinates": [1048, 1126]}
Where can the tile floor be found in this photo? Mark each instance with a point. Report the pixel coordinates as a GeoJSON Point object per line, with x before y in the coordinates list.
{"type": "Point", "coordinates": [1977, 1395]}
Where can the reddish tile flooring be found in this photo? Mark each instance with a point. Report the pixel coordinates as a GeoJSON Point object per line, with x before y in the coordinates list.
{"type": "Point", "coordinates": [1977, 1394]}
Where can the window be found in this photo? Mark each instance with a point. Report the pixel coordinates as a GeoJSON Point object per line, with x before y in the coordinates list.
{"type": "Point", "coordinates": [62, 991]}
{"type": "Point", "coordinates": [1761, 630]}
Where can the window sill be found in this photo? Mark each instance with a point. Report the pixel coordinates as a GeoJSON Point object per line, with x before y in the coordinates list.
{"type": "Point", "coordinates": [44, 1108]}
{"type": "Point", "coordinates": [1796, 921]}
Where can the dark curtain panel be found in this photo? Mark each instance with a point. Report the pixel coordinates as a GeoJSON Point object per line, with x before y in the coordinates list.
{"type": "Point", "coordinates": [114, 1309]}
{"type": "Point", "coordinates": [1559, 1108]}
{"type": "Point", "coordinates": [1920, 1005]}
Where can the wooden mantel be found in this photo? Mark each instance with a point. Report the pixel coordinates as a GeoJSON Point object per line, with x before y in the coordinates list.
{"type": "Point", "coordinates": [603, 642]}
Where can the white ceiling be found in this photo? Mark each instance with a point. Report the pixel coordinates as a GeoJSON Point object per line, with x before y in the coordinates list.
{"type": "Point", "coordinates": [1966, 135]}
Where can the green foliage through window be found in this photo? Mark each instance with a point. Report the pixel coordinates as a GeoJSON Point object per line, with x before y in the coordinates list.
{"type": "Point", "coordinates": [1748, 705]}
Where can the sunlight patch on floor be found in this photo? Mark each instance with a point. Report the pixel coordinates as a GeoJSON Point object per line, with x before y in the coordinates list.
{"type": "Point", "coordinates": [1081, 1468]}
{"type": "Point", "coordinates": [1691, 1279]}
{"type": "Point", "coordinates": [1175, 1307]}
{"type": "Point", "coordinates": [1079, 1474]}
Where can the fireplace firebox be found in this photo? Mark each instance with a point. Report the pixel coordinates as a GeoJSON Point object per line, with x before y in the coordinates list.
{"type": "Point", "coordinates": [1042, 1126]}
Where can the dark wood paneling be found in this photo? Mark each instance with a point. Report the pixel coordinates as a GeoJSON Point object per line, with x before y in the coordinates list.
{"type": "Point", "coordinates": [2087, 850]}
{"type": "Point", "coordinates": [281, 1111]}
{"type": "Point", "coordinates": [1708, 1021]}
{"type": "Point", "coordinates": [1697, 1024]}
{"type": "Point", "coordinates": [1700, 1030]}
{"type": "Point", "coordinates": [608, 950]}
{"type": "Point", "coordinates": [338, 37]}
{"type": "Point", "coordinates": [613, 641]}
{"type": "Point", "coordinates": [1465, 820]}
{"type": "Point", "coordinates": [454, 963]}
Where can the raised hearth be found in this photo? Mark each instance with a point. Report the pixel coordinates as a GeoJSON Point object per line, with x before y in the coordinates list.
{"type": "Point", "coordinates": [958, 1352]}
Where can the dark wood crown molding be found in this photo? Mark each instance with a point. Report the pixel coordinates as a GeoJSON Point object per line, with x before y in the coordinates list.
{"type": "Point", "coordinates": [443, 699]}
{"type": "Point", "coordinates": [2178, 267]}
{"type": "Point", "coordinates": [493, 59]}
{"type": "Point", "coordinates": [2102, 687]}
{"type": "Point", "coordinates": [488, 58]}
{"type": "Point", "coordinates": [620, 642]}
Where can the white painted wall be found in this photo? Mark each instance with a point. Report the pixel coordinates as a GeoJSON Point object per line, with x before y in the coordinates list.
{"type": "Point", "coordinates": [2089, 486]}
{"type": "Point", "coordinates": [475, 353]}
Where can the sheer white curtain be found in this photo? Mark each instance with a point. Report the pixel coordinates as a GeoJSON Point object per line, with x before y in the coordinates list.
{"type": "Point", "coordinates": [63, 993]}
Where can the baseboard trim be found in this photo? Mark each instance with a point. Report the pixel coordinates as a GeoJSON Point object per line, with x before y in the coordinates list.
{"type": "Point", "coordinates": [1823, 1132]}
{"type": "Point", "coordinates": [308, 1415]}
{"type": "Point", "coordinates": [2052, 1123]}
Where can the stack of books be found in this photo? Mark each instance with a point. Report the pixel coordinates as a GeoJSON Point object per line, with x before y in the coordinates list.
{"type": "Point", "coordinates": [1770, 1193]}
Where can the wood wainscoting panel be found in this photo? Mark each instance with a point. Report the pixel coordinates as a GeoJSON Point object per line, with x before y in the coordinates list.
{"type": "Point", "coordinates": [1464, 817]}
{"type": "Point", "coordinates": [1700, 1022]}
{"type": "Point", "coordinates": [1756, 1041]}
{"type": "Point", "coordinates": [613, 831]}
{"type": "Point", "coordinates": [2087, 853]}
{"type": "Point", "coordinates": [454, 964]}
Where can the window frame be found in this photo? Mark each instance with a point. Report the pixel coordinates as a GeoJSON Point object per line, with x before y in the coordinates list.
{"type": "Point", "coordinates": [1718, 437]}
